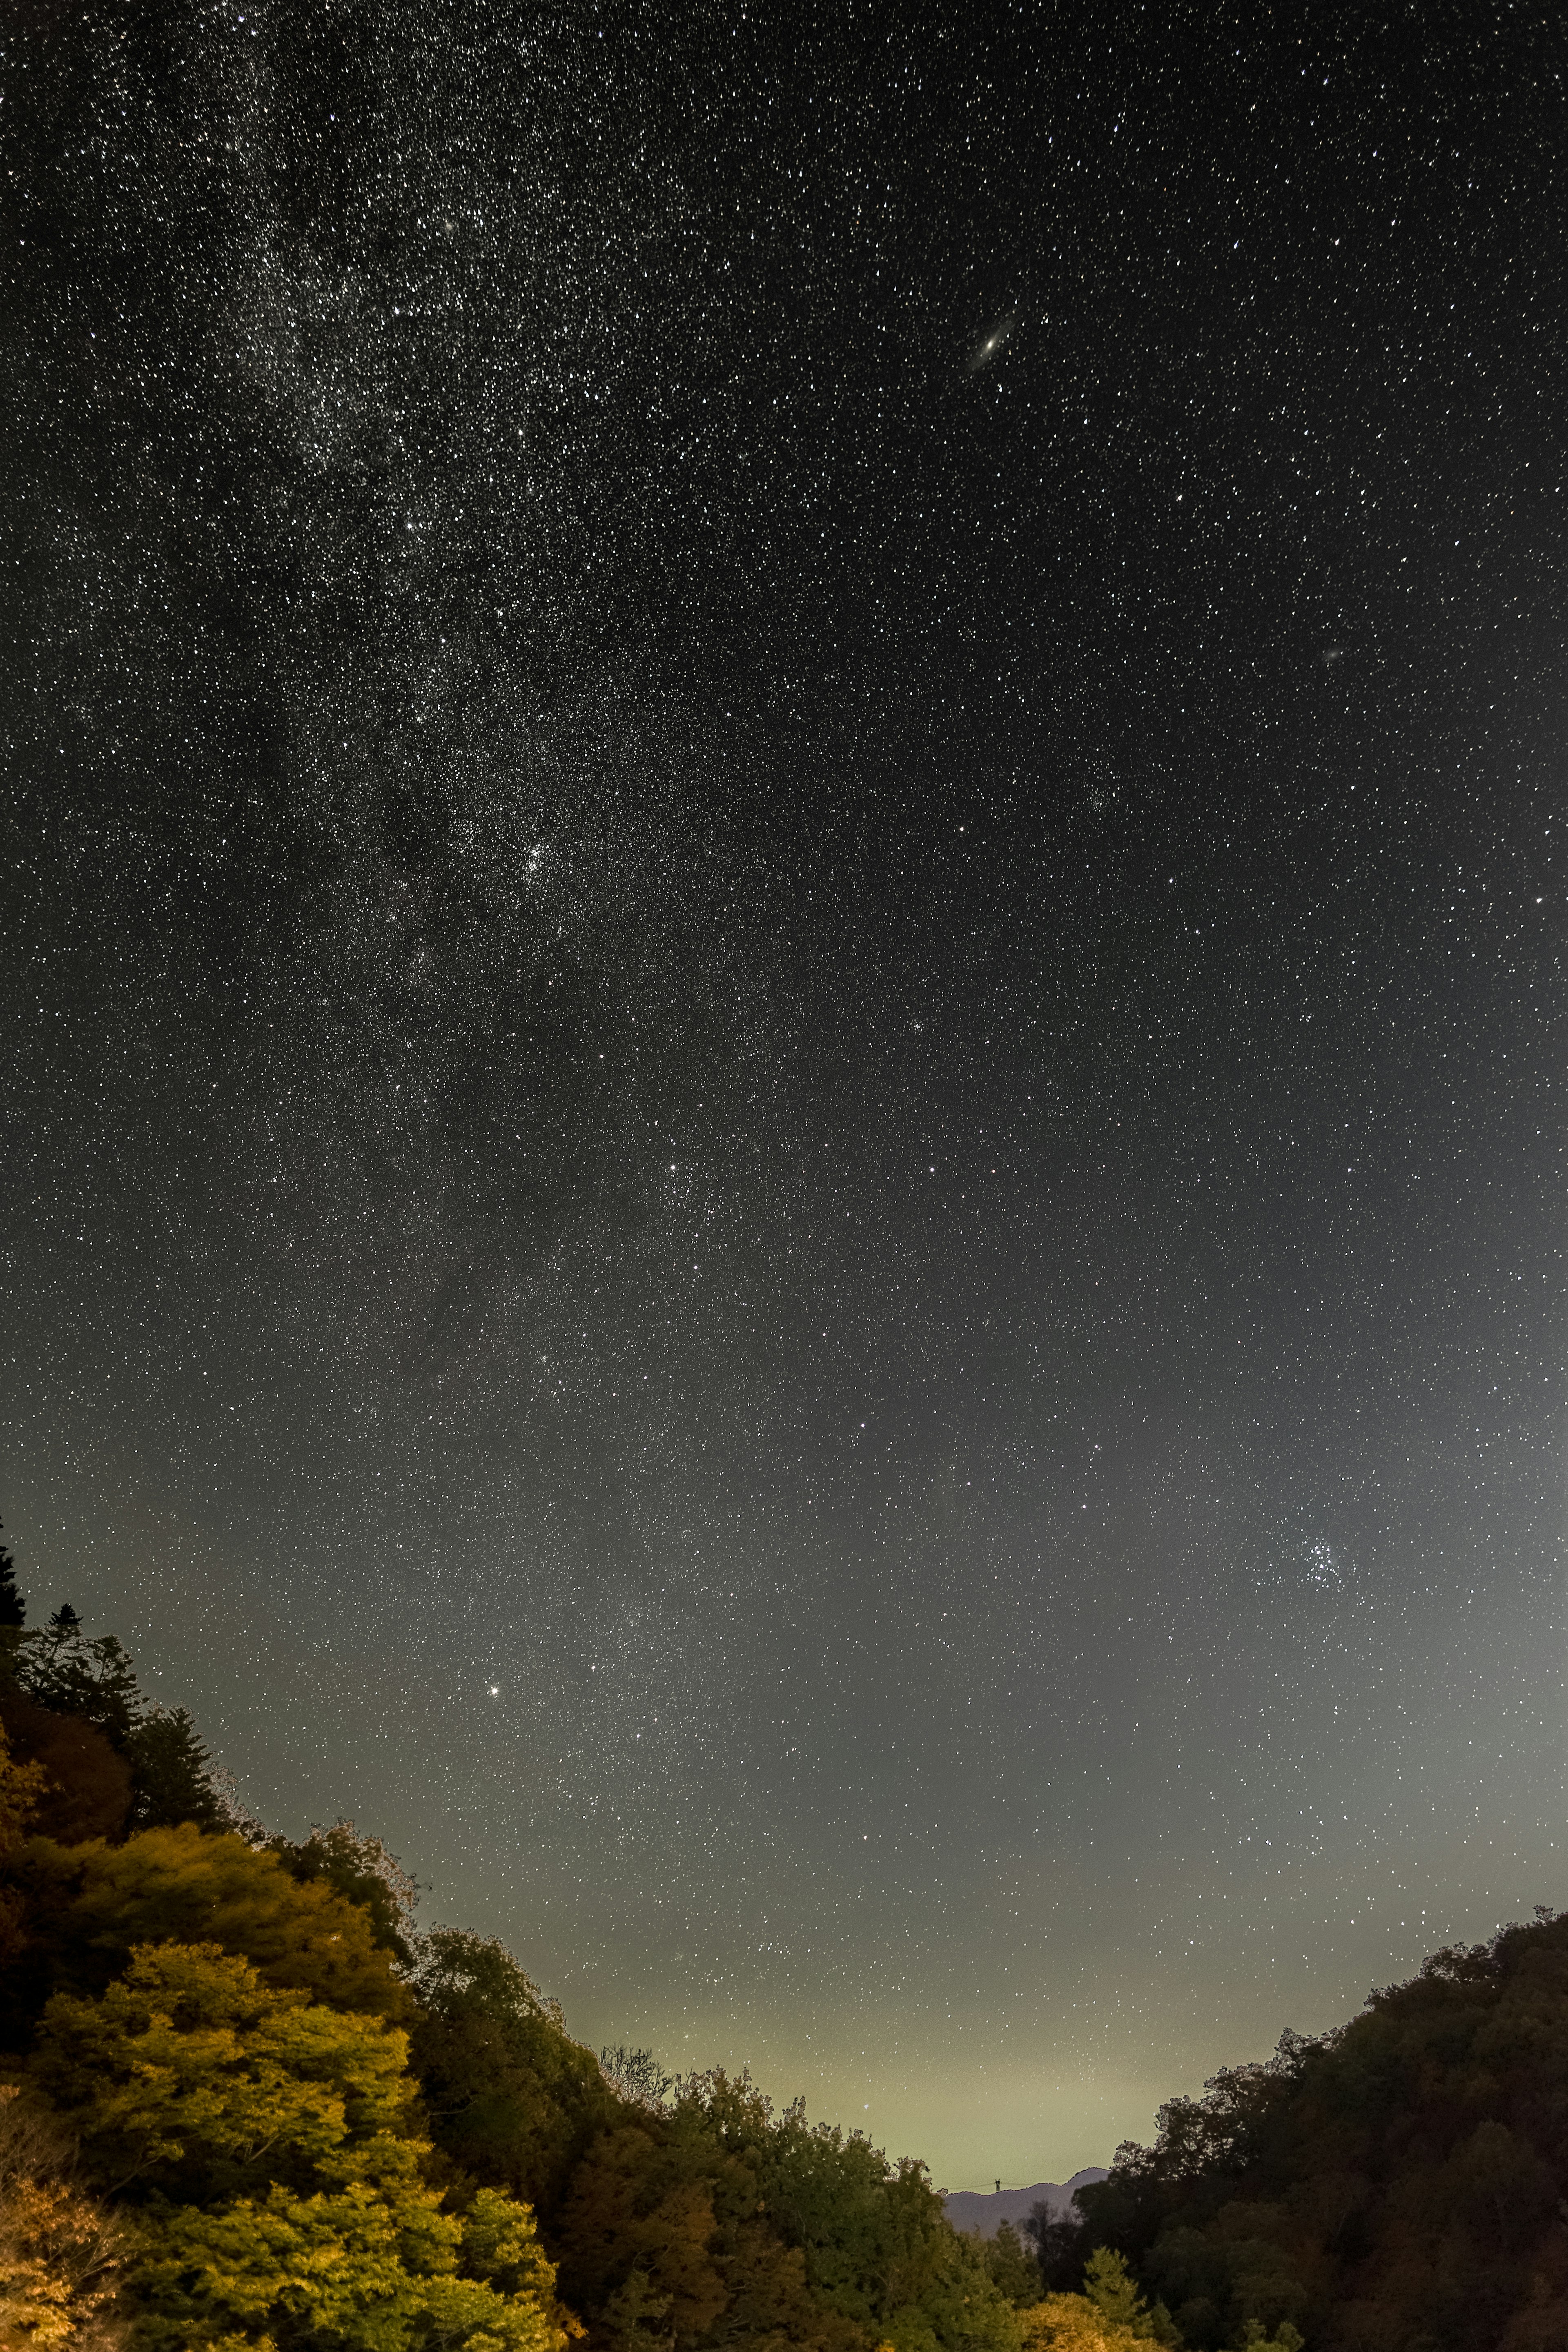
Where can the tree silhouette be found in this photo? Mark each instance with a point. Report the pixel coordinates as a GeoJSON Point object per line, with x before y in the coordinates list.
{"type": "Point", "coordinates": [13, 1608]}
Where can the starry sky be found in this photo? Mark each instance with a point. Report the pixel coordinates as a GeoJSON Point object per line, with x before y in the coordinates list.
{"type": "Point", "coordinates": [784, 1006]}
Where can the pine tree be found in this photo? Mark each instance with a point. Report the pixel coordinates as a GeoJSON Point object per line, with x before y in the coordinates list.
{"type": "Point", "coordinates": [1110, 2286]}
{"type": "Point", "coordinates": [13, 1608]}
{"type": "Point", "coordinates": [172, 1774]}
{"type": "Point", "coordinates": [66, 1671]}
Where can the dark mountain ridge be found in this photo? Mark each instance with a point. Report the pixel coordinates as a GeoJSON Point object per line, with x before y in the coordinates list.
{"type": "Point", "coordinates": [972, 2209]}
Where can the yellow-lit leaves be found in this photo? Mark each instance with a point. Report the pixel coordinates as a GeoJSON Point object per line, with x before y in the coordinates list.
{"type": "Point", "coordinates": [190, 2061]}
{"type": "Point", "coordinates": [276, 2197]}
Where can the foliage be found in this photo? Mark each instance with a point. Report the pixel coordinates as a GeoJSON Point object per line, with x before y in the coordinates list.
{"type": "Point", "coordinates": [1395, 2183]}
{"type": "Point", "coordinates": [73, 1695]}
{"type": "Point", "coordinates": [512, 2100]}
{"type": "Point", "coordinates": [1013, 2272]}
{"type": "Point", "coordinates": [222, 2016]}
{"type": "Point", "coordinates": [172, 1774]}
{"type": "Point", "coordinates": [1110, 2286]}
{"type": "Point", "coordinates": [219, 2014]}
{"type": "Point", "coordinates": [189, 2072]}
{"type": "Point", "coordinates": [635, 2076]}
{"type": "Point", "coordinates": [720, 2218]}
{"type": "Point", "coordinates": [59, 2252]}
{"type": "Point", "coordinates": [1057, 2242]}
{"type": "Point", "coordinates": [1071, 2323]}
{"type": "Point", "coordinates": [23, 1788]}
{"type": "Point", "coordinates": [92, 1679]}
{"type": "Point", "coordinates": [362, 1871]}
{"type": "Point", "coordinates": [1109, 2316]}
{"type": "Point", "coordinates": [277, 2191]}
{"type": "Point", "coordinates": [86, 1907]}
{"type": "Point", "coordinates": [88, 1791]}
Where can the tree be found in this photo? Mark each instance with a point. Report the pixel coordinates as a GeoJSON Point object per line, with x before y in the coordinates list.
{"type": "Point", "coordinates": [1396, 2182]}
{"type": "Point", "coordinates": [93, 1679]}
{"type": "Point", "coordinates": [86, 1907]}
{"type": "Point", "coordinates": [637, 2238]}
{"type": "Point", "coordinates": [715, 2220]}
{"type": "Point", "coordinates": [88, 1791]}
{"type": "Point", "coordinates": [90, 1682]}
{"type": "Point", "coordinates": [191, 2075]}
{"type": "Point", "coordinates": [1110, 2286]}
{"type": "Point", "coordinates": [23, 1787]}
{"type": "Point", "coordinates": [635, 2076]}
{"type": "Point", "coordinates": [1059, 2243]}
{"type": "Point", "coordinates": [1014, 2273]}
{"type": "Point", "coordinates": [262, 2140]}
{"type": "Point", "coordinates": [1070, 2322]}
{"type": "Point", "coordinates": [171, 1774]}
{"type": "Point", "coordinates": [13, 1608]}
{"type": "Point", "coordinates": [512, 2099]}
{"type": "Point", "coordinates": [58, 2250]}
{"type": "Point", "coordinates": [878, 2244]}
{"type": "Point", "coordinates": [671, 2234]}
{"type": "Point", "coordinates": [362, 1870]}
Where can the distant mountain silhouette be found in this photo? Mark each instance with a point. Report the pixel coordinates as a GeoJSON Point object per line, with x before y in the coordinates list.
{"type": "Point", "coordinates": [968, 2210]}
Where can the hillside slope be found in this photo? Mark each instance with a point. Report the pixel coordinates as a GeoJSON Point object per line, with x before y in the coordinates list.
{"type": "Point", "coordinates": [1396, 2186]}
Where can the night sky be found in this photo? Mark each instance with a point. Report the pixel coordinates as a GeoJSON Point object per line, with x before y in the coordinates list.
{"type": "Point", "coordinates": [782, 993]}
